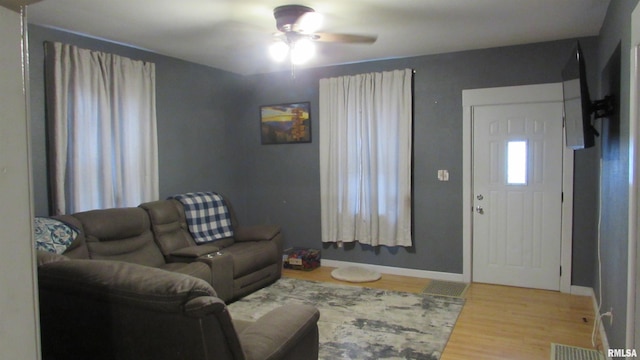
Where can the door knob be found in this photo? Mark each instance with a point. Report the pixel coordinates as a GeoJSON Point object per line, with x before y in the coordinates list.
{"type": "Point", "coordinates": [479, 209]}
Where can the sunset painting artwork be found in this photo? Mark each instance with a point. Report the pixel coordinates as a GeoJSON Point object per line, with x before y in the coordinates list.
{"type": "Point", "coordinates": [285, 123]}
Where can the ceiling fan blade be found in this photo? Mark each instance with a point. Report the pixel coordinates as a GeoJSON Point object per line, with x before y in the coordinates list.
{"type": "Point", "coordinates": [345, 38]}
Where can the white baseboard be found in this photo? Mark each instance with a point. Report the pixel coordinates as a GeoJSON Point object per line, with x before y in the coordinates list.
{"type": "Point", "coordinates": [435, 275]}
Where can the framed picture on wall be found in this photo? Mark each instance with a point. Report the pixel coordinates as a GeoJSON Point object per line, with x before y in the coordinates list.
{"type": "Point", "coordinates": [285, 123]}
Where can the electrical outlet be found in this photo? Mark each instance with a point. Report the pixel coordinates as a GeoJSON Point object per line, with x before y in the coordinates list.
{"type": "Point", "coordinates": [443, 175]}
{"type": "Point", "coordinates": [609, 314]}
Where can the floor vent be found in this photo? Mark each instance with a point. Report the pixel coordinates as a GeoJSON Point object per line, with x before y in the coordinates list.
{"type": "Point", "coordinates": [446, 288]}
{"type": "Point", "coordinates": [566, 352]}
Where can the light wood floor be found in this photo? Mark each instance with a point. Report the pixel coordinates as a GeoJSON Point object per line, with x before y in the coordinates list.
{"type": "Point", "coordinates": [498, 322]}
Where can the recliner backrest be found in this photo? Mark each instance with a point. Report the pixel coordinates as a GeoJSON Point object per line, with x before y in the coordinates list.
{"type": "Point", "coordinates": [120, 234]}
{"type": "Point", "coordinates": [170, 228]}
{"type": "Point", "coordinates": [169, 225]}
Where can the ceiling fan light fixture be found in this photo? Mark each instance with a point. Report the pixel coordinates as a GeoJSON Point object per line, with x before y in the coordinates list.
{"type": "Point", "coordinates": [302, 51]}
{"type": "Point", "coordinates": [310, 22]}
{"type": "Point", "coordinates": [297, 26]}
{"type": "Point", "coordinates": [279, 51]}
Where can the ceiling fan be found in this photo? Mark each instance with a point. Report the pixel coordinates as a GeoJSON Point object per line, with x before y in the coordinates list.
{"type": "Point", "coordinates": [297, 30]}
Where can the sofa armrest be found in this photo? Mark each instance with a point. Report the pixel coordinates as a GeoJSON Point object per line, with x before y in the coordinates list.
{"type": "Point", "coordinates": [47, 257]}
{"type": "Point", "coordinates": [204, 306]}
{"type": "Point", "coordinates": [256, 232]}
{"type": "Point", "coordinates": [221, 265]}
{"type": "Point", "coordinates": [287, 332]}
{"type": "Point", "coordinates": [193, 252]}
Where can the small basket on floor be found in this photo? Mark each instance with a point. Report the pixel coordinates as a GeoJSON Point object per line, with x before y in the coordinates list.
{"type": "Point", "coordinates": [301, 259]}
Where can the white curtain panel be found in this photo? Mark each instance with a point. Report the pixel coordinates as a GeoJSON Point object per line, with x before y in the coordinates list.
{"type": "Point", "coordinates": [102, 113]}
{"type": "Point", "coordinates": [365, 158]}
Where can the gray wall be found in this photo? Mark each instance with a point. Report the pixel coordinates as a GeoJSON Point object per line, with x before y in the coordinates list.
{"type": "Point", "coordinates": [208, 128]}
{"type": "Point", "coordinates": [209, 139]}
{"type": "Point", "coordinates": [198, 145]}
{"type": "Point", "coordinates": [613, 64]}
{"type": "Point", "coordinates": [287, 190]}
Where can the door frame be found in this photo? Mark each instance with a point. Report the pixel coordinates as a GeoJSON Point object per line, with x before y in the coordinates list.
{"type": "Point", "coordinates": [633, 271]}
{"type": "Point", "coordinates": [504, 96]}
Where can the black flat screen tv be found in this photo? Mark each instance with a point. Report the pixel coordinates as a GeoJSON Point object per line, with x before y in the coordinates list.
{"type": "Point", "coordinates": [579, 131]}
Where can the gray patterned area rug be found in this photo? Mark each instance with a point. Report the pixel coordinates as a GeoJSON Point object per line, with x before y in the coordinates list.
{"type": "Point", "coordinates": [363, 323]}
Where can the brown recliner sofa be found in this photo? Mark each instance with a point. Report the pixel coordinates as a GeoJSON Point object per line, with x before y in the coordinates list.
{"type": "Point", "coordinates": [96, 309]}
{"type": "Point", "coordinates": [156, 234]}
{"type": "Point", "coordinates": [241, 264]}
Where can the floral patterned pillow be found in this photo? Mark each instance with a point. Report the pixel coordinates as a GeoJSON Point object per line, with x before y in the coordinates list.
{"type": "Point", "coordinates": [53, 235]}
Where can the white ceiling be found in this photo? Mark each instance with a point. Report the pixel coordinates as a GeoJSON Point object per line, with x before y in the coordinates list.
{"type": "Point", "coordinates": [233, 35]}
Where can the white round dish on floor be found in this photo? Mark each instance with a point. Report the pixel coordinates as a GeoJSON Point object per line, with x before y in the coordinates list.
{"type": "Point", "coordinates": [355, 274]}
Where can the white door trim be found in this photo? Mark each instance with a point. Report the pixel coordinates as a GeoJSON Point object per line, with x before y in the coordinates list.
{"type": "Point", "coordinates": [512, 95]}
{"type": "Point", "coordinates": [633, 273]}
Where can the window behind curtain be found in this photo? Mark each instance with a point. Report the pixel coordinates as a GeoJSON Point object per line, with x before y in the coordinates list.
{"type": "Point", "coordinates": [102, 129]}
{"type": "Point", "coordinates": [365, 158]}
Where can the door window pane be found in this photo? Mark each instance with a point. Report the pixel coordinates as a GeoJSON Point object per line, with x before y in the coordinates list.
{"type": "Point", "coordinates": [517, 162]}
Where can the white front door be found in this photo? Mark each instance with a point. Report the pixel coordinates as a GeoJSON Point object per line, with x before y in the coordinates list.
{"type": "Point", "coordinates": [517, 194]}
